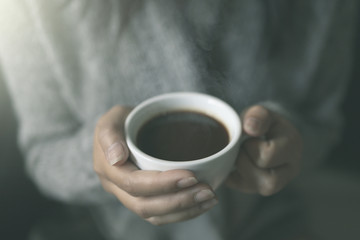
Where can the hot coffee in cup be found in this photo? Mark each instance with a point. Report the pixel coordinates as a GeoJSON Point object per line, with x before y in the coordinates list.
{"type": "Point", "coordinates": [182, 136]}
{"type": "Point", "coordinates": [185, 130]}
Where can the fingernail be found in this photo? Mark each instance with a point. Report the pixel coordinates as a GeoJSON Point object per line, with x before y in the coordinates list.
{"type": "Point", "coordinates": [209, 204]}
{"type": "Point", "coordinates": [253, 125]}
{"type": "Point", "coordinates": [115, 153]}
{"type": "Point", "coordinates": [187, 182]}
{"type": "Point", "coordinates": [204, 195]}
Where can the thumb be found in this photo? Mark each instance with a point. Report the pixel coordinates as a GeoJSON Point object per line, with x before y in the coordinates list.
{"type": "Point", "coordinates": [110, 135]}
{"type": "Point", "coordinates": [257, 121]}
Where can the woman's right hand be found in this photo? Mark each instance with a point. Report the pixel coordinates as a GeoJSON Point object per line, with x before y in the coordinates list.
{"type": "Point", "coordinates": [160, 197]}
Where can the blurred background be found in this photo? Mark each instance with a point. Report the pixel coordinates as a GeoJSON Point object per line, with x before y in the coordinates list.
{"type": "Point", "coordinates": [332, 194]}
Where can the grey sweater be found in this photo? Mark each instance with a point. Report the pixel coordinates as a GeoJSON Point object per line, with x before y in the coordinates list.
{"type": "Point", "coordinates": [67, 62]}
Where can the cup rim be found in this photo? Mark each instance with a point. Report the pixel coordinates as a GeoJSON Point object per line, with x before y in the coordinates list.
{"type": "Point", "coordinates": [232, 142]}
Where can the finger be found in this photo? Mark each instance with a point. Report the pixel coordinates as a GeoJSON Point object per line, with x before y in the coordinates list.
{"type": "Point", "coordinates": [110, 135]}
{"type": "Point", "coordinates": [147, 183]}
{"type": "Point", "coordinates": [244, 177]}
{"type": "Point", "coordinates": [283, 145]}
{"type": "Point", "coordinates": [257, 121]}
{"type": "Point", "coordinates": [271, 181]}
{"type": "Point", "coordinates": [175, 202]}
{"type": "Point", "coordinates": [268, 153]}
{"type": "Point", "coordinates": [169, 208]}
{"type": "Point", "coordinates": [183, 215]}
{"type": "Point", "coordinates": [249, 178]}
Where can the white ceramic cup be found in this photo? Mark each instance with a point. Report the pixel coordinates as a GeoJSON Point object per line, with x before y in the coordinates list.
{"type": "Point", "coordinates": [213, 169]}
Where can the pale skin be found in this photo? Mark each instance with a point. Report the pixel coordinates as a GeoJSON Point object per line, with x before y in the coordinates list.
{"type": "Point", "coordinates": [266, 163]}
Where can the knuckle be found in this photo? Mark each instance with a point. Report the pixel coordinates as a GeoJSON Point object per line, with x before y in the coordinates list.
{"type": "Point", "coordinates": [155, 221]}
{"type": "Point", "coordinates": [141, 211]}
{"type": "Point", "coordinates": [194, 212]}
{"type": "Point", "coordinates": [262, 163]}
{"type": "Point", "coordinates": [261, 111]}
{"type": "Point", "coordinates": [97, 169]}
{"type": "Point", "coordinates": [268, 186]}
{"type": "Point", "coordinates": [121, 111]}
{"type": "Point", "coordinates": [178, 204]}
{"type": "Point", "coordinates": [106, 186]}
{"type": "Point", "coordinates": [118, 108]}
{"type": "Point", "coordinates": [266, 155]}
{"type": "Point", "coordinates": [105, 132]}
{"type": "Point", "coordinates": [128, 186]}
{"type": "Point", "coordinates": [101, 125]}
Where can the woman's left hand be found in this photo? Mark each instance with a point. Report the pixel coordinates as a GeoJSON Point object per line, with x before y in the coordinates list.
{"type": "Point", "coordinates": [271, 157]}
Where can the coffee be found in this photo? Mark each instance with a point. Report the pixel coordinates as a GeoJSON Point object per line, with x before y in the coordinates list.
{"type": "Point", "coordinates": [182, 136]}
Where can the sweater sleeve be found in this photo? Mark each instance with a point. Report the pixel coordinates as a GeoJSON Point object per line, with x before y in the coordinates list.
{"type": "Point", "coordinates": [57, 145]}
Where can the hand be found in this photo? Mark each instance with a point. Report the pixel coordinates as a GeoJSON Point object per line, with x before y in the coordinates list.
{"type": "Point", "coordinates": [158, 197]}
{"type": "Point", "coordinates": [271, 157]}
